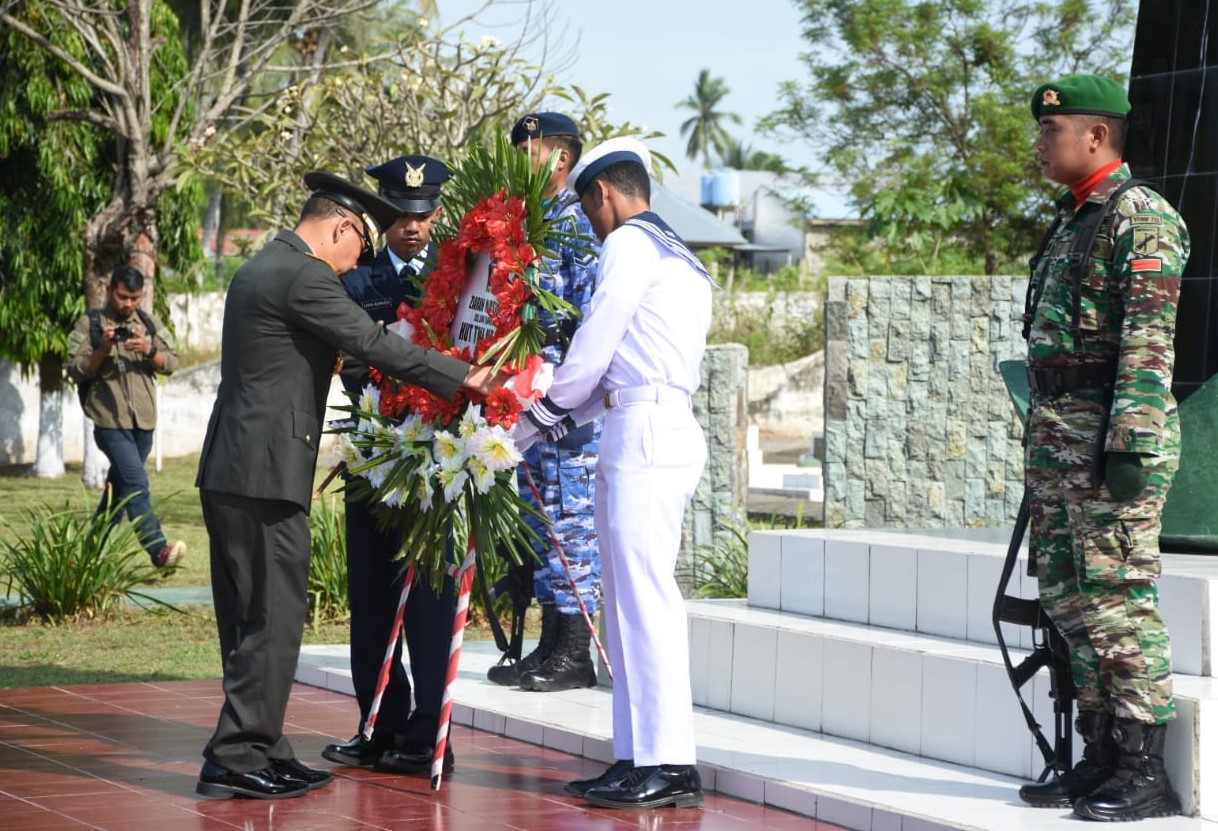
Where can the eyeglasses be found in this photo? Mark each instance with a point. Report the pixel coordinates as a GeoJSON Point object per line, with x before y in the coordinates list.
{"type": "Point", "coordinates": [364, 239]}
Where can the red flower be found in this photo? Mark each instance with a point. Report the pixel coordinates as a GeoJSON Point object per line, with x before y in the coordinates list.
{"type": "Point", "coordinates": [496, 225]}
{"type": "Point", "coordinates": [513, 296]}
{"type": "Point", "coordinates": [502, 408]}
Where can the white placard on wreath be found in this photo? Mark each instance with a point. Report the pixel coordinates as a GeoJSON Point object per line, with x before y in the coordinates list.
{"type": "Point", "coordinates": [473, 320]}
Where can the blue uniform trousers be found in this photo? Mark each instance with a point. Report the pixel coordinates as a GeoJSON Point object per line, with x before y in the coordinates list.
{"type": "Point", "coordinates": [374, 581]}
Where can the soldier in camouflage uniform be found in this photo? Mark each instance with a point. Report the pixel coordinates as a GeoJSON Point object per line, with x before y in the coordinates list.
{"type": "Point", "coordinates": [1103, 444]}
{"type": "Point", "coordinates": [564, 471]}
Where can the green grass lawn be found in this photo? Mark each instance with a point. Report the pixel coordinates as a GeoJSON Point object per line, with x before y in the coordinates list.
{"type": "Point", "coordinates": [134, 645]}
{"type": "Point", "coordinates": [173, 495]}
{"type": "Point", "coordinates": [137, 646]}
{"type": "Point", "coordinates": [154, 645]}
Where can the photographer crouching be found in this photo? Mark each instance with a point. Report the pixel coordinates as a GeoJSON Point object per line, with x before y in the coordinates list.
{"type": "Point", "coordinates": [115, 352]}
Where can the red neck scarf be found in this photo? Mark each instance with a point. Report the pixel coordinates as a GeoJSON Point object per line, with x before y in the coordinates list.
{"type": "Point", "coordinates": [1082, 188]}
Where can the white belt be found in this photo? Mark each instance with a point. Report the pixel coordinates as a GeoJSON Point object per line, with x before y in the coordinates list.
{"type": "Point", "coordinates": [653, 393]}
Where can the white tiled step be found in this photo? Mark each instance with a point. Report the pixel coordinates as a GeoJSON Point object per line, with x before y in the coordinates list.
{"type": "Point", "coordinates": [925, 695]}
{"type": "Point", "coordinates": [942, 585]}
{"type": "Point", "coordinates": [842, 782]}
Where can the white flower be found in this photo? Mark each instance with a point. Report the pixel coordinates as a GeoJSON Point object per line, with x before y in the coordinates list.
{"type": "Point", "coordinates": [376, 475]}
{"type": "Point", "coordinates": [492, 447]}
{"type": "Point", "coordinates": [285, 135]}
{"type": "Point", "coordinates": [449, 450]}
{"type": "Point", "coordinates": [348, 452]}
{"type": "Point", "coordinates": [471, 420]}
{"type": "Point", "coordinates": [370, 399]}
{"type": "Point", "coordinates": [424, 22]}
{"type": "Point", "coordinates": [424, 495]}
{"type": "Point", "coordinates": [491, 42]}
{"type": "Point", "coordinates": [453, 481]}
{"type": "Point", "coordinates": [482, 474]}
{"type": "Point", "coordinates": [416, 430]}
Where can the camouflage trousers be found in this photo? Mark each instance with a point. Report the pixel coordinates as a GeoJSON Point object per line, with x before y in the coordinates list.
{"type": "Point", "coordinates": [566, 477]}
{"type": "Point", "coordinates": [1097, 561]}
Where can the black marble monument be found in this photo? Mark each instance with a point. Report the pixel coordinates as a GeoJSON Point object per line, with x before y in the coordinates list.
{"type": "Point", "coordinates": [1173, 143]}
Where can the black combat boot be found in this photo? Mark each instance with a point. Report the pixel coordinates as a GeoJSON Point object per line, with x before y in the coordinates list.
{"type": "Point", "coordinates": [508, 675]}
{"type": "Point", "coordinates": [1139, 788]}
{"type": "Point", "coordinates": [569, 666]}
{"type": "Point", "coordinates": [1098, 763]}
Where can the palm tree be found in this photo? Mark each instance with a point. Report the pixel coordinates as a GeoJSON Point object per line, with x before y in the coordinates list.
{"type": "Point", "coordinates": [705, 127]}
{"type": "Point", "coordinates": [740, 156]}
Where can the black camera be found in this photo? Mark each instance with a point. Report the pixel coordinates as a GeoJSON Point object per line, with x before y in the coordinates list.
{"type": "Point", "coordinates": [121, 333]}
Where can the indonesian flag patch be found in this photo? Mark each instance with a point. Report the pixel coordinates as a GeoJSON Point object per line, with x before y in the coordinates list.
{"type": "Point", "coordinates": [1146, 265]}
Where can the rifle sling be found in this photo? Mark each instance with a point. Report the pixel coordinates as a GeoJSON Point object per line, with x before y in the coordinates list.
{"type": "Point", "coordinates": [1001, 600]}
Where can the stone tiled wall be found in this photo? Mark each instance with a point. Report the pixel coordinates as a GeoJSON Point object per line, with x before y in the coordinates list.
{"type": "Point", "coordinates": [919, 429]}
{"type": "Point", "coordinates": [720, 405]}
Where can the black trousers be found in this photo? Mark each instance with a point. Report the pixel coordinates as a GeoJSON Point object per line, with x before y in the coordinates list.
{"type": "Point", "coordinates": [374, 582]}
{"type": "Point", "coordinates": [259, 580]}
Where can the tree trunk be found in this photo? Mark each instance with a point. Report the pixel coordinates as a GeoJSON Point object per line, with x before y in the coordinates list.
{"type": "Point", "coordinates": [95, 466]}
{"type": "Point", "coordinates": [48, 462]}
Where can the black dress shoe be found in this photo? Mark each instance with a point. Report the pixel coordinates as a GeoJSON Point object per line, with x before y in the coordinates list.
{"type": "Point", "coordinates": [295, 769]}
{"type": "Point", "coordinates": [414, 757]}
{"type": "Point", "coordinates": [223, 783]}
{"type": "Point", "coordinates": [616, 772]}
{"type": "Point", "coordinates": [653, 786]}
{"type": "Point", "coordinates": [357, 753]}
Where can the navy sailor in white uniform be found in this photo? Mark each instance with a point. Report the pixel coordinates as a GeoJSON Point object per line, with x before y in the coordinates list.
{"type": "Point", "coordinates": [636, 357]}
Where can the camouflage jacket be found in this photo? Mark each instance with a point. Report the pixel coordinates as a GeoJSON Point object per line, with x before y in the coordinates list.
{"type": "Point", "coordinates": [571, 274]}
{"type": "Point", "coordinates": [1128, 308]}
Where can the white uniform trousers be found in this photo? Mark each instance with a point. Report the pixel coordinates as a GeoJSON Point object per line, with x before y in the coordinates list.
{"type": "Point", "coordinates": [651, 458]}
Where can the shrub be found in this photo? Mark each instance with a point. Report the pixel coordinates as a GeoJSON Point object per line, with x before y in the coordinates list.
{"type": "Point", "coordinates": [773, 335]}
{"type": "Point", "coordinates": [328, 600]}
{"type": "Point", "coordinates": [723, 566]}
{"type": "Point", "coordinates": [76, 564]}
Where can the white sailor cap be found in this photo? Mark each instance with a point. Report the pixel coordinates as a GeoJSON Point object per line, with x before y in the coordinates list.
{"type": "Point", "coordinates": [610, 152]}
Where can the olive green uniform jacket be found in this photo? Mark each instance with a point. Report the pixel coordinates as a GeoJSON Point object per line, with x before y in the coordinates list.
{"type": "Point", "coordinates": [286, 318]}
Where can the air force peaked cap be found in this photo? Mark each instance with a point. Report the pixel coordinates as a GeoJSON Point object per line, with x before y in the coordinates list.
{"type": "Point", "coordinates": [620, 149]}
{"type": "Point", "coordinates": [377, 214]}
{"type": "Point", "coordinates": [543, 125]}
{"type": "Point", "coordinates": [1080, 95]}
{"type": "Point", "coordinates": [411, 182]}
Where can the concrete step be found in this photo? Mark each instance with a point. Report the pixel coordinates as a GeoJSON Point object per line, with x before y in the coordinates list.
{"type": "Point", "coordinates": [940, 698]}
{"type": "Point", "coordinates": [943, 583]}
{"type": "Point", "coordinates": [843, 782]}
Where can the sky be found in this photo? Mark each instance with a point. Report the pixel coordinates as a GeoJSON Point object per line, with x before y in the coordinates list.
{"type": "Point", "coordinates": [647, 55]}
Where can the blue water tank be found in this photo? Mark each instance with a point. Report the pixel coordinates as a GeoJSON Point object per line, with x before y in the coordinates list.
{"type": "Point", "coordinates": [721, 188]}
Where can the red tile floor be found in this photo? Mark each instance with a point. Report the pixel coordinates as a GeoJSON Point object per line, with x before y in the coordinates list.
{"type": "Point", "coordinates": [124, 757]}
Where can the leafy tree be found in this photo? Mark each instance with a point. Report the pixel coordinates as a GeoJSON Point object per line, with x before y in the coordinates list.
{"type": "Point", "coordinates": [57, 173]}
{"type": "Point", "coordinates": [706, 126]}
{"type": "Point", "coordinates": [420, 92]}
{"type": "Point", "coordinates": [154, 93]}
{"type": "Point", "coordinates": [922, 106]}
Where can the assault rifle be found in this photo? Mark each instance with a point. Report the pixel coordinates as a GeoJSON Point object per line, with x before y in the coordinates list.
{"type": "Point", "coordinates": [1049, 650]}
{"type": "Point", "coordinates": [1049, 647]}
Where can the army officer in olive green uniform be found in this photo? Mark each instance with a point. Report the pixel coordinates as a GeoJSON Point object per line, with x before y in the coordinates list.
{"type": "Point", "coordinates": [286, 319]}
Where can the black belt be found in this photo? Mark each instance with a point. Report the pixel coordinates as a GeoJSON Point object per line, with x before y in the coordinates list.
{"type": "Point", "coordinates": [1056, 380]}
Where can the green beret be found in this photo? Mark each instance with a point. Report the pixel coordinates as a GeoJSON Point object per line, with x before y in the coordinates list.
{"type": "Point", "coordinates": [1080, 95]}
